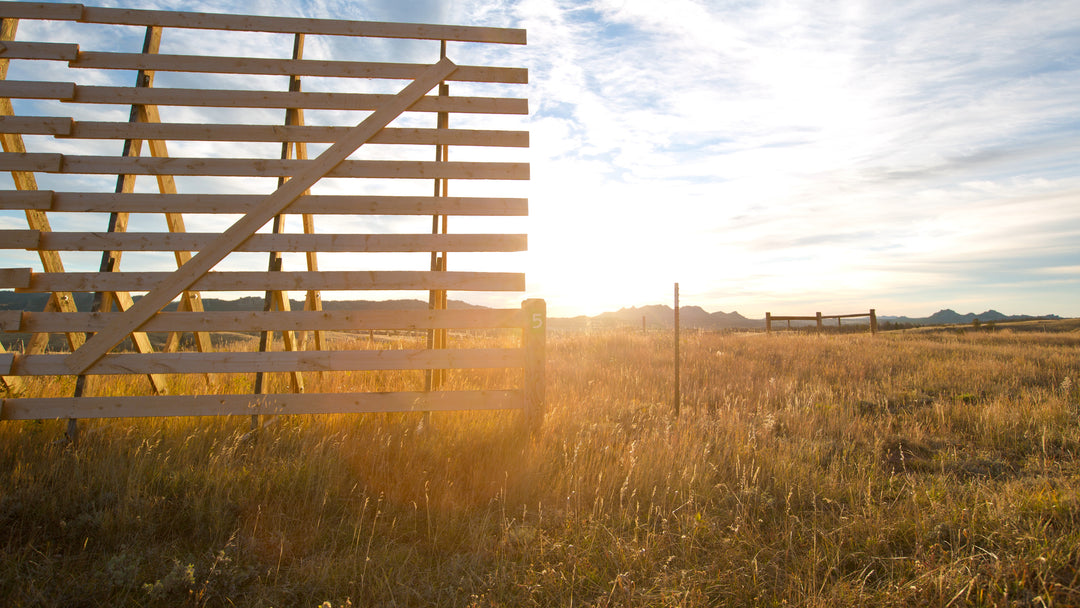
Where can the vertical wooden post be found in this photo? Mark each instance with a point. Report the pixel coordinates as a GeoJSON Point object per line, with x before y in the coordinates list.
{"type": "Point", "coordinates": [768, 322]}
{"type": "Point", "coordinates": [819, 325]}
{"type": "Point", "coordinates": [279, 300]}
{"type": "Point", "coordinates": [436, 338]}
{"type": "Point", "coordinates": [873, 321]}
{"type": "Point", "coordinates": [678, 395]}
{"type": "Point", "coordinates": [534, 382]}
{"type": "Point", "coordinates": [118, 222]}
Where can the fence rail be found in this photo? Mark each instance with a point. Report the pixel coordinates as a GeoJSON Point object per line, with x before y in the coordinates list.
{"type": "Point", "coordinates": [819, 319]}
{"type": "Point", "coordinates": [240, 177]}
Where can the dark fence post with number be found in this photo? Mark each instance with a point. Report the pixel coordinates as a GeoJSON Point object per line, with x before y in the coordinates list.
{"type": "Point", "coordinates": [534, 337]}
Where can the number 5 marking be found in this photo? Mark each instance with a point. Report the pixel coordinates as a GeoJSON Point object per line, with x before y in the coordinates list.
{"type": "Point", "coordinates": [537, 320]}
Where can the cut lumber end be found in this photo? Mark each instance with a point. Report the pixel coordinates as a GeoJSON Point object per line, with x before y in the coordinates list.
{"type": "Point", "coordinates": [20, 239]}
{"type": "Point", "coordinates": [15, 278]}
{"type": "Point", "coordinates": [11, 320]}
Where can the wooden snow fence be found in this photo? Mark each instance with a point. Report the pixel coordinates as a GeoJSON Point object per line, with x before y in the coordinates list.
{"type": "Point", "coordinates": [244, 176]}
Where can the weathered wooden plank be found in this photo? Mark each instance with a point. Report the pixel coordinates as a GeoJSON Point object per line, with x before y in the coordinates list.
{"type": "Point", "coordinates": [31, 163]}
{"type": "Point", "coordinates": [11, 320]}
{"type": "Point", "coordinates": [327, 280]}
{"type": "Point", "coordinates": [194, 241]}
{"type": "Point", "coordinates": [299, 320]}
{"type": "Point", "coordinates": [244, 405]}
{"type": "Point", "coordinates": [275, 133]}
{"type": "Point", "coordinates": [41, 10]}
{"type": "Point", "coordinates": [274, 204]}
{"type": "Point", "coordinates": [37, 125]}
{"type": "Point", "coordinates": [20, 239]}
{"type": "Point", "coordinates": [219, 98]}
{"type": "Point", "coordinates": [15, 277]}
{"type": "Point", "coordinates": [68, 91]}
{"type": "Point", "coordinates": [259, 167]}
{"type": "Point", "coordinates": [281, 361]}
{"type": "Point", "coordinates": [295, 25]}
{"type": "Point", "coordinates": [31, 200]}
{"type": "Point", "coordinates": [92, 202]}
{"type": "Point", "coordinates": [30, 89]}
{"type": "Point", "coordinates": [286, 67]}
{"type": "Point", "coordinates": [55, 51]}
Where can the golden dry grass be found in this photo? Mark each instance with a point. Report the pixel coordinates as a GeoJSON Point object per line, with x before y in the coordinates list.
{"type": "Point", "coordinates": [927, 468]}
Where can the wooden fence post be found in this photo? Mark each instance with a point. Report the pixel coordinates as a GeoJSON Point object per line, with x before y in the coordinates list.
{"type": "Point", "coordinates": [873, 321]}
{"type": "Point", "coordinates": [819, 326]}
{"type": "Point", "coordinates": [534, 383]}
{"type": "Point", "coordinates": [768, 322]}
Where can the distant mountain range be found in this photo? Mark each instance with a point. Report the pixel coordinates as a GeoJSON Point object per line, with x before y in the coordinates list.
{"type": "Point", "coordinates": [10, 300]}
{"type": "Point", "coordinates": [662, 316]}
{"type": "Point", "coordinates": [658, 316]}
{"type": "Point", "coordinates": [655, 316]}
{"type": "Point", "coordinates": [951, 317]}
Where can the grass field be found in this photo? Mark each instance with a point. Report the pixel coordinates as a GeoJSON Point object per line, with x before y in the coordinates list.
{"type": "Point", "coordinates": [936, 468]}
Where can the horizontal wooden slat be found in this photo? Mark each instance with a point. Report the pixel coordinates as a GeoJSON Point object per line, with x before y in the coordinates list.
{"type": "Point", "coordinates": [282, 281]}
{"type": "Point", "coordinates": [279, 99]}
{"type": "Point", "coordinates": [291, 25]}
{"type": "Point", "coordinates": [274, 133]}
{"type": "Point", "coordinates": [286, 67]}
{"type": "Point", "coordinates": [287, 25]}
{"type": "Point", "coordinates": [36, 125]}
{"type": "Point", "coordinates": [40, 200]}
{"type": "Point", "coordinates": [15, 277]}
{"type": "Point", "coordinates": [281, 361]}
{"type": "Point", "coordinates": [299, 320]}
{"type": "Point", "coordinates": [11, 320]}
{"type": "Point", "coordinates": [41, 10]}
{"type": "Point", "coordinates": [220, 98]}
{"type": "Point", "coordinates": [95, 202]}
{"type": "Point", "coordinates": [39, 163]}
{"type": "Point", "coordinates": [55, 51]}
{"type": "Point", "coordinates": [258, 167]}
{"type": "Point", "coordinates": [29, 89]}
{"type": "Point", "coordinates": [243, 405]}
{"type": "Point", "coordinates": [19, 239]}
{"type": "Point", "coordinates": [7, 360]}
{"type": "Point", "coordinates": [192, 241]}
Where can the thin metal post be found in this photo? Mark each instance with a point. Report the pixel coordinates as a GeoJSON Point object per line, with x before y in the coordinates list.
{"type": "Point", "coordinates": [678, 395]}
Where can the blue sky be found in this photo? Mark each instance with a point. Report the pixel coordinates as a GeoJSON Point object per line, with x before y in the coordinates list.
{"type": "Point", "coordinates": [785, 156]}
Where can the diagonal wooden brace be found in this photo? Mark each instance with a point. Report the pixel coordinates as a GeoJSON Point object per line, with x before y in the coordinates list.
{"type": "Point", "coordinates": [97, 346]}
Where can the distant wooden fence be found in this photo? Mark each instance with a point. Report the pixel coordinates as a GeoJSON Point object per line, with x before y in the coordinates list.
{"type": "Point", "coordinates": [225, 188]}
{"type": "Point", "coordinates": [820, 319]}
